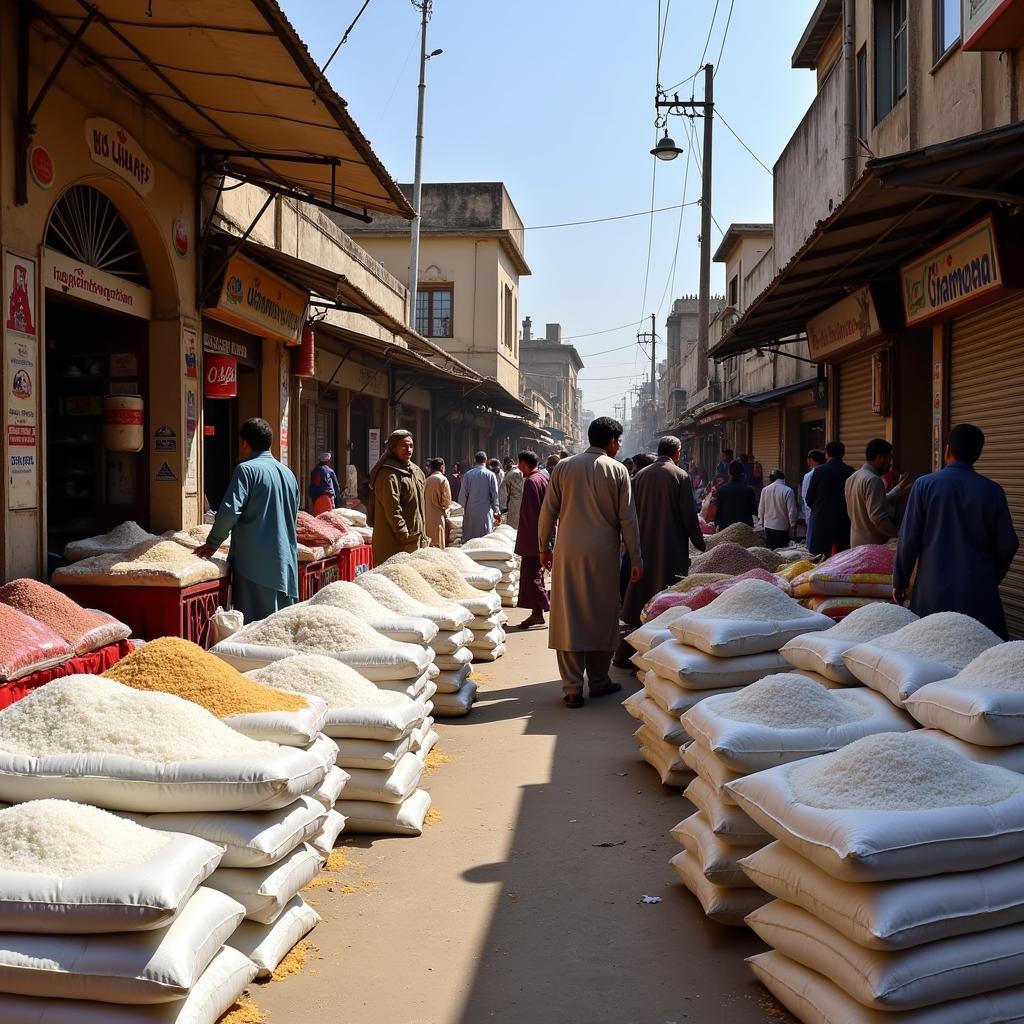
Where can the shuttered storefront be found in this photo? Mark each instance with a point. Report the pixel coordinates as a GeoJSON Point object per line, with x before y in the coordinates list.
{"type": "Point", "coordinates": [987, 389]}
{"type": "Point", "coordinates": [857, 423]}
{"type": "Point", "coordinates": [765, 443]}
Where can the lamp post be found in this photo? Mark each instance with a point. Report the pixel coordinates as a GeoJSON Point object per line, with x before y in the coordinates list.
{"type": "Point", "coordinates": [426, 8]}
{"type": "Point", "coordinates": [666, 149]}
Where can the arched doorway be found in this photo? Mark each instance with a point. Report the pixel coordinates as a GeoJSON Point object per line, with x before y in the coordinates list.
{"type": "Point", "coordinates": [97, 316]}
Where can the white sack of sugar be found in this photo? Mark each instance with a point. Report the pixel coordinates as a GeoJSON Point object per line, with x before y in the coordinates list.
{"type": "Point", "coordinates": [672, 698]}
{"type": "Point", "coordinates": [718, 861]}
{"type": "Point", "coordinates": [890, 806]}
{"type": "Point", "coordinates": [105, 874]}
{"type": "Point", "coordinates": [665, 726]}
{"type": "Point", "coordinates": [445, 614]}
{"type": "Point", "coordinates": [1011, 758]}
{"type": "Point", "coordinates": [265, 892]}
{"type": "Point", "coordinates": [366, 817]}
{"type": "Point", "coordinates": [786, 717]}
{"type": "Point", "coordinates": [898, 914]}
{"type": "Point", "coordinates": [656, 631]}
{"type": "Point", "coordinates": [727, 821]}
{"type": "Point", "coordinates": [982, 704]}
{"type": "Point", "coordinates": [267, 945]}
{"type": "Point", "coordinates": [726, 906]}
{"type": "Point", "coordinates": [933, 648]}
{"type": "Point", "coordinates": [823, 652]}
{"type": "Point", "coordinates": [386, 787]}
{"type": "Point", "coordinates": [751, 617]}
{"type": "Point", "coordinates": [382, 755]}
{"type": "Point", "coordinates": [692, 669]}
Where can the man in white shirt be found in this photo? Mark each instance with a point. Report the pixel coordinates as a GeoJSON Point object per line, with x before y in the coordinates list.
{"type": "Point", "coordinates": [815, 458]}
{"type": "Point", "coordinates": [778, 511]}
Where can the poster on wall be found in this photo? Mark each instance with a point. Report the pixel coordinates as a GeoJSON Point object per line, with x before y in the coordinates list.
{"type": "Point", "coordinates": [21, 356]}
{"type": "Point", "coordinates": [191, 444]}
{"type": "Point", "coordinates": [374, 446]}
{"type": "Point", "coordinates": [285, 404]}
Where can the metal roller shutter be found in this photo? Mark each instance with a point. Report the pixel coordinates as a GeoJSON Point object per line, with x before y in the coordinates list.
{"type": "Point", "coordinates": [987, 389]}
{"type": "Point", "coordinates": [765, 445]}
{"type": "Point", "coordinates": [857, 423]}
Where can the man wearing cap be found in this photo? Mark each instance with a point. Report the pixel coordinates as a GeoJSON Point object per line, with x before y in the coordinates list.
{"type": "Point", "coordinates": [479, 499]}
{"type": "Point", "coordinates": [395, 507]}
{"type": "Point", "coordinates": [324, 486]}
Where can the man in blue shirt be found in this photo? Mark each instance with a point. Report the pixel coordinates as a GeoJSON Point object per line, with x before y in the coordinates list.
{"type": "Point", "coordinates": [324, 486]}
{"type": "Point", "coordinates": [259, 511]}
{"type": "Point", "coordinates": [957, 530]}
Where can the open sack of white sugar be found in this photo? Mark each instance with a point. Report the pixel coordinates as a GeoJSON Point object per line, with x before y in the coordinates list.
{"type": "Point", "coordinates": [455, 705]}
{"type": "Point", "coordinates": [92, 740]}
{"type": "Point", "coordinates": [897, 914]}
{"type": "Point", "coordinates": [727, 821]}
{"type": "Point", "coordinates": [895, 980]}
{"type": "Point", "coordinates": [786, 717]}
{"type": "Point", "coordinates": [264, 892]}
{"type": "Point", "coordinates": [981, 704]}
{"type": "Point", "coordinates": [133, 967]}
{"type": "Point", "coordinates": [933, 648]}
{"type": "Point", "coordinates": [480, 576]}
{"type": "Point", "coordinates": [672, 698]}
{"type": "Point", "coordinates": [694, 670]}
{"type": "Point", "coordinates": [813, 999]}
{"type": "Point", "coordinates": [749, 618]}
{"type": "Point", "coordinates": [267, 945]}
{"type": "Point", "coordinates": [823, 652]}
{"type": "Point", "coordinates": [656, 631]}
{"type": "Point", "coordinates": [890, 806]}
{"type": "Point", "coordinates": [702, 762]}
{"type": "Point", "coordinates": [368, 817]}
{"type": "Point", "coordinates": [360, 602]}
{"type": "Point", "coordinates": [387, 787]}
{"type": "Point", "coordinates": [446, 615]}
{"type": "Point", "coordinates": [74, 869]}
{"type": "Point", "coordinates": [719, 862]}
{"type": "Point", "coordinates": [356, 707]}
{"type": "Point", "coordinates": [721, 904]}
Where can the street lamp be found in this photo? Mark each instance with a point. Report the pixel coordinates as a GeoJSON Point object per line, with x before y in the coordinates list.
{"type": "Point", "coordinates": [666, 149]}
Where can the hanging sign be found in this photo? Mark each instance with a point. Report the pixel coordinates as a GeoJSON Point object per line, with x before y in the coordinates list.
{"type": "Point", "coordinates": [220, 377]}
{"type": "Point", "coordinates": [40, 165]}
{"type": "Point", "coordinates": [21, 379]}
{"type": "Point", "coordinates": [846, 324]}
{"type": "Point", "coordinates": [252, 296]}
{"type": "Point", "coordinates": [373, 445]}
{"type": "Point", "coordinates": [992, 25]}
{"type": "Point", "coordinates": [79, 281]}
{"type": "Point", "coordinates": [112, 147]}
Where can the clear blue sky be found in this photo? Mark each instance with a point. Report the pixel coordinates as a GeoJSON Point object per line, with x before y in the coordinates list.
{"type": "Point", "coordinates": [555, 98]}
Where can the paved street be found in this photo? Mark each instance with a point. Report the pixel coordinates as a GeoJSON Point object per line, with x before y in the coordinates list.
{"type": "Point", "coordinates": [509, 908]}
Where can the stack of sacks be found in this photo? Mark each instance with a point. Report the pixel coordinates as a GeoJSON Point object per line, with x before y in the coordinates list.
{"type": "Point", "coordinates": [932, 648]}
{"type": "Point", "coordinates": [848, 580]}
{"type": "Point", "coordinates": [317, 538]}
{"type": "Point", "coordinates": [152, 563]}
{"type": "Point", "coordinates": [178, 768]}
{"type": "Point", "coordinates": [376, 732]}
{"type": "Point", "coordinates": [455, 515]}
{"type": "Point", "coordinates": [820, 655]}
{"type": "Point", "coordinates": [777, 720]}
{"type": "Point", "coordinates": [111, 922]}
{"type": "Point", "coordinates": [697, 596]}
{"type": "Point", "coordinates": [341, 520]}
{"type": "Point", "coordinates": [497, 551]}
{"type": "Point", "coordinates": [898, 876]}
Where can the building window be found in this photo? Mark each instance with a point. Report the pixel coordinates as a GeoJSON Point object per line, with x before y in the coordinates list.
{"type": "Point", "coordinates": [434, 311]}
{"type": "Point", "coordinates": [890, 54]}
{"type": "Point", "coordinates": [947, 26]}
{"type": "Point", "coordinates": [862, 93]}
{"type": "Point", "coordinates": [510, 321]}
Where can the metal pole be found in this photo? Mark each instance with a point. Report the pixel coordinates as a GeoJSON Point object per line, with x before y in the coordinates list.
{"type": "Point", "coordinates": [704, 296]}
{"type": "Point", "coordinates": [654, 396]}
{"type": "Point", "coordinates": [417, 188]}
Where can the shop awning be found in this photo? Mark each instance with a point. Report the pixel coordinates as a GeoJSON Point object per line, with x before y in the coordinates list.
{"type": "Point", "coordinates": [234, 77]}
{"type": "Point", "coordinates": [735, 408]}
{"type": "Point", "coordinates": [764, 398]}
{"type": "Point", "coordinates": [900, 206]}
{"type": "Point", "coordinates": [493, 395]}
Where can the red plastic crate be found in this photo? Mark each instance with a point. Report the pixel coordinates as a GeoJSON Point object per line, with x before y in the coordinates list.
{"type": "Point", "coordinates": [353, 562]}
{"type": "Point", "coordinates": [154, 612]}
{"type": "Point", "coordinates": [314, 576]}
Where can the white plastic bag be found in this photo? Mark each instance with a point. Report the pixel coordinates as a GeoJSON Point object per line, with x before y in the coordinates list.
{"type": "Point", "coordinates": [224, 623]}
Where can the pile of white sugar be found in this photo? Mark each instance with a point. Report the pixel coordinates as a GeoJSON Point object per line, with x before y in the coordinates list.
{"type": "Point", "coordinates": [94, 715]}
{"type": "Point", "coordinates": [998, 668]}
{"type": "Point", "coordinates": [338, 685]}
{"type": "Point", "coordinates": [444, 578]}
{"type": "Point", "coordinates": [355, 600]}
{"type": "Point", "coordinates": [895, 771]}
{"type": "Point", "coordinates": [948, 637]}
{"type": "Point", "coordinates": [790, 701]}
{"type": "Point", "coordinates": [872, 621]}
{"type": "Point", "coordinates": [392, 596]}
{"type": "Point", "coordinates": [755, 600]}
{"type": "Point", "coordinates": [58, 837]}
{"type": "Point", "coordinates": [449, 556]}
{"type": "Point", "coordinates": [316, 629]}
{"type": "Point", "coordinates": [119, 539]}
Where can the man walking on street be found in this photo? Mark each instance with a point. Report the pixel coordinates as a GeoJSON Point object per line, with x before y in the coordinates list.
{"type": "Point", "coordinates": [735, 502]}
{"type": "Point", "coordinates": [826, 498]}
{"type": "Point", "coordinates": [589, 498]}
{"type": "Point", "coordinates": [778, 511]}
{"type": "Point", "coordinates": [957, 530]}
{"type": "Point", "coordinates": [437, 499]}
{"type": "Point", "coordinates": [395, 509]}
{"type": "Point", "coordinates": [533, 594]}
{"type": "Point", "coordinates": [324, 486]}
{"type": "Point", "coordinates": [511, 494]}
{"type": "Point", "coordinates": [479, 499]}
{"type": "Point", "coordinates": [667, 517]}
{"type": "Point", "coordinates": [872, 509]}
{"type": "Point", "coordinates": [259, 511]}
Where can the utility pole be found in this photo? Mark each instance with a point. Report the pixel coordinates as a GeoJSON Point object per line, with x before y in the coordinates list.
{"type": "Point", "coordinates": [704, 295]}
{"type": "Point", "coordinates": [652, 337]}
{"type": "Point", "coordinates": [425, 8]}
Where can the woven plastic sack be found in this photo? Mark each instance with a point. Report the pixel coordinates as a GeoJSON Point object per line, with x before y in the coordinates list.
{"type": "Point", "coordinates": [711, 769]}
{"type": "Point", "coordinates": [701, 596]}
{"type": "Point", "coordinates": [488, 655]}
{"type": "Point", "coordinates": [893, 673]}
{"type": "Point", "coordinates": [694, 670]}
{"type": "Point", "coordinates": [662, 757]}
{"type": "Point", "coordinates": [28, 646]}
{"type": "Point", "coordinates": [132, 967]}
{"type": "Point", "coordinates": [458, 704]}
{"type": "Point", "coordinates": [315, 531]}
{"type": "Point", "coordinates": [451, 680]}
{"type": "Point", "coordinates": [718, 861]}
{"type": "Point", "coordinates": [381, 755]}
{"type": "Point", "coordinates": [655, 630]}
{"type": "Point", "coordinates": [364, 817]}
{"type": "Point", "coordinates": [837, 608]}
{"type": "Point", "coordinates": [984, 716]}
{"type": "Point", "coordinates": [267, 945]}
{"type": "Point", "coordinates": [864, 571]}
{"type": "Point", "coordinates": [726, 906]}
{"type": "Point", "coordinates": [288, 728]}
{"type": "Point", "coordinates": [821, 654]}
{"type": "Point", "coordinates": [402, 661]}
{"type": "Point", "coordinates": [665, 726]}
{"type": "Point", "coordinates": [906, 979]}
{"type": "Point", "coordinates": [728, 822]}
{"type": "Point", "coordinates": [898, 914]}
{"type": "Point", "coordinates": [730, 638]}
{"type": "Point", "coordinates": [672, 698]}
{"type": "Point", "coordinates": [449, 643]}
{"type": "Point", "coordinates": [324, 841]}
{"type": "Point", "coordinates": [265, 892]}
{"type": "Point", "coordinates": [455, 661]}
{"type": "Point", "coordinates": [386, 787]}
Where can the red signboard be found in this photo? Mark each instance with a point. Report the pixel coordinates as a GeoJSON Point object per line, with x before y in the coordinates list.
{"type": "Point", "coordinates": [220, 379]}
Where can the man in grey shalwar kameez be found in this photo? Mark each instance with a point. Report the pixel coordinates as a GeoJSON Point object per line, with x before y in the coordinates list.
{"type": "Point", "coordinates": [589, 499]}
{"type": "Point", "coordinates": [479, 497]}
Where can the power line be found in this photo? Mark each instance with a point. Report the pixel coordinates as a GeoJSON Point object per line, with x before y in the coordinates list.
{"type": "Point", "coordinates": [679, 229]}
{"type": "Point", "coordinates": [711, 28]}
{"type": "Point", "coordinates": [344, 38]}
{"type": "Point", "coordinates": [718, 113]}
{"type": "Point", "coordinates": [662, 30]}
{"type": "Point", "coordinates": [602, 220]}
{"type": "Point", "coordinates": [607, 330]}
{"type": "Point", "coordinates": [721, 49]}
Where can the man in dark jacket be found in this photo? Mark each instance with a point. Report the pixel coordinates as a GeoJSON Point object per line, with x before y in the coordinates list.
{"type": "Point", "coordinates": [826, 498]}
{"type": "Point", "coordinates": [735, 502]}
{"type": "Point", "coordinates": [395, 509]}
{"type": "Point", "coordinates": [957, 530]}
{"type": "Point", "coordinates": [533, 593]}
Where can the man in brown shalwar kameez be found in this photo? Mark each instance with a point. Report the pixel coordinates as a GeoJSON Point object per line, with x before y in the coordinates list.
{"type": "Point", "coordinates": [590, 500]}
{"type": "Point", "coordinates": [533, 593]}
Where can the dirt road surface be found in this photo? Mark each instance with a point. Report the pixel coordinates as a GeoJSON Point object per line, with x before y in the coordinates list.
{"type": "Point", "coordinates": [521, 905]}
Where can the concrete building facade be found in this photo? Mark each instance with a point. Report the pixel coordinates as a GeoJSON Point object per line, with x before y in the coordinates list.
{"type": "Point", "coordinates": [551, 367]}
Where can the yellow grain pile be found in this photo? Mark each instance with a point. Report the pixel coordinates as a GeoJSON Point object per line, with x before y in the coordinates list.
{"type": "Point", "coordinates": [242, 1012]}
{"type": "Point", "coordinates": [295, 961]}
{"type": "Point", "coordinates": [171, 665]}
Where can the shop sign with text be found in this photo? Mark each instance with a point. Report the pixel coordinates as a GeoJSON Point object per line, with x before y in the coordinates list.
{"type": "Point", "coordinates": [112, 147]}
{"type": "Point", "coordinates": [961, 272]}
{"type": "Point", "coordinates": [21, 380]}
{"type": "Point", "coordinates": [254, 297]}
{"type": "Point", "coordinates": [850, 322]}
{"type": "Point", "coordinates": [79, 281]}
